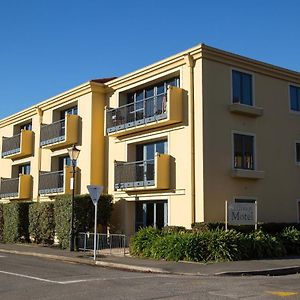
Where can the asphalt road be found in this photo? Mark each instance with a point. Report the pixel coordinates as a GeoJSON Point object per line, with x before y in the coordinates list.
{"type": "Point", "coordinates": [23, 277]}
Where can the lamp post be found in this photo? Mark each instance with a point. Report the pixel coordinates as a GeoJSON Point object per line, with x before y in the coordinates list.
{"type": "Point", "coordinates": [73, 153]}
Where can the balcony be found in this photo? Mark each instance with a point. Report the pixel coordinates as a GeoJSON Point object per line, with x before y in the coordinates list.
{"type": "Point", "coordinates": [19, 188]}
{"type": "Point", "coordinates": [139, 175]}
{"type": "Point", "coordinates": [57, 182]}
{"type": "Point", "coordinates": [152, 112]}
{"type": "Point", "coordinates": [60, 134]}
{"type": "Point", "coordinates": [18, 146]}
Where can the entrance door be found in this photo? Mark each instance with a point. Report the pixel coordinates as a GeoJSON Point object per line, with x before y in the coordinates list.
{"type": "Point", "coordinates": [151, 213]}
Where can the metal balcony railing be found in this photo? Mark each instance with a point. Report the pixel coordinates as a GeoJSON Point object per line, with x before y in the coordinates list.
{"type": "Point", "coordinates": [51, 182]}
{"type": "Point", "coordinates": [11, 145]}
{"type": "Point", "coordinates": [9, 187]}
{"type": "Point", "coordinates": [140, 112]}
{"type": "Point", "coordinates": [134, 174]}
{"type": "Point", "coordinates": [53, 133]}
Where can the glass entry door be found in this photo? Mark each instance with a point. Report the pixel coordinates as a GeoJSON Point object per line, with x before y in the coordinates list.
{"type": "Point", "coordinates": [151, 213]}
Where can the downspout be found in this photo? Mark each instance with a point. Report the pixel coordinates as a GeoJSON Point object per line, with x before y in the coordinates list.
{"type": "Point", "coordinates": [40, 115]}
{"type": "Point", "coordinates": [190, 62]}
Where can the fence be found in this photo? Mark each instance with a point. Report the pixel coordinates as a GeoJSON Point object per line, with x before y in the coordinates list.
{"type": "Point", "coordinates": [113, 244]}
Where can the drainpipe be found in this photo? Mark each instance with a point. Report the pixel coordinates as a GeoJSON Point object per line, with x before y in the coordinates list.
{"type": "Point", "coordinates": [190, 64]}
{"type": "Point", "coordinates": [40, 115]}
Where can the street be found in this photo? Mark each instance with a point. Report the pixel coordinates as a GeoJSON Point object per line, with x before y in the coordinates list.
{"type": "Point", "coordinates": [23, 277]}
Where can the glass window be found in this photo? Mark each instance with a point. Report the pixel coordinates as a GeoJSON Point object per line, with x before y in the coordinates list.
{"type": "Point", "coordinates": [24, 169]}
{"type": "Point", "coordinates": [70, 111]}
{"type": "Point", "coordinates": [64, 161]}
{"type": "Point", "coordinates": [242, 88]}
{"type": "Point", "coordinates": [27, 126]}
{"type": "Point", "coordinates": [243, 151]}
{"type": "Point", "coordinates": [294, 98]}
{"type": "Point", "coordinates": [298, 153]}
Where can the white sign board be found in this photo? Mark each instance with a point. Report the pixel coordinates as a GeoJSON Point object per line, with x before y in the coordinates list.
{"type": "Point", "coordinates": [95, 191]}
{"type": "Point", "coordinates": [241, 213]}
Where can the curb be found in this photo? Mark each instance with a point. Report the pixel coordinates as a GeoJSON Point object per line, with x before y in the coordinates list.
{"type": "Point", "coordinates": [267, 272]}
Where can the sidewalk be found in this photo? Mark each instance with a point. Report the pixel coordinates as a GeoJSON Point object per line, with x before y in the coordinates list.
{"type": "Point", "coordinates": [237, 268]}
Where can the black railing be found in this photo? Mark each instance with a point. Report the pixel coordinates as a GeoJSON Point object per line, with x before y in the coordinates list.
{"type": "Point", "coordinates": [51, 182]}
{"type": "Point", "coordinates": [136, 113]}
{"type": "Point", "coordinates": [9, 187]}
{"type": "Point", "coordinates": [134, 174]}
{"type": "Point", "coordinates": [53, 133]}
{"type": "Point", "coordinates": [11, 145]}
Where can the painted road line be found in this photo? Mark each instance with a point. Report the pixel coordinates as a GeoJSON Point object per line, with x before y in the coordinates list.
{"type": "Point", "coordinates": [283, 293]}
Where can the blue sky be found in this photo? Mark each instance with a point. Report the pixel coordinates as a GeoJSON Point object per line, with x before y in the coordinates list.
{"type": "Point", "coordinates": [47, 47]}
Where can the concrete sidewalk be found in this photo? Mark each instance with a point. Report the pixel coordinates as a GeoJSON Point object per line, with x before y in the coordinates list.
{"type": "Point", "coordinates": [283, 266]}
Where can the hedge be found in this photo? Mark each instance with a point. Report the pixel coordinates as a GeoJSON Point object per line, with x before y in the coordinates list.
{"type": "Point", "coordinates": [83, 215]}
{"type": "Point", "coordinates": [1, 222]}
{"type": "Point", "coordinates": [15, 226]}
{"type": "Point", "coordinates": [41, 222]}
{"type": "Point", "coordinates": [213, 245]}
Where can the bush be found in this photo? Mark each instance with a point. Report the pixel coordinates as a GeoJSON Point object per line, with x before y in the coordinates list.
{"type": "Point", "coordinates": [140, 243]}
{"type": "Point", "coordinates": [15, 227]}
{"type": "Point", "coordinates": [290, 238]}
{"type": "Point", "coordinates": [83, 215]}
{"type": "Point", "coordinates": [41, 222]}
{"type": "Point", "coordinates": [1, 222]}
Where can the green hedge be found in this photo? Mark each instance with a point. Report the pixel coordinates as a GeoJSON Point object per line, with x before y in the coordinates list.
{"type": "Point", "coordinates": [83, 215]}
{"type": "Point", "coordinates": [41, 222]}
{"type": "Point", "coordinates": [1, 223]}
{"type": "Point", "coordinates": [15, 226]}
{"type": "Point", "coordinates": [213, 245]}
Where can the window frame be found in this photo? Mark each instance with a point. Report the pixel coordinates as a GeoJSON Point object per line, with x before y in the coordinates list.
{"type": "Point", "coordinates": [297, 112]}
{"type": "Point", "coordinates": [252, 86]}
{"type": "Point", "coordinates": [233, 132]}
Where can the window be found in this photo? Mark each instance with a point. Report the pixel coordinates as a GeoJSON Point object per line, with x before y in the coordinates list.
{"type": "Point", "coordinates": [24, 169]}
{"type": "Point", "coordinates": [243, 151]}
{"type": "Point", "coordinates": [242, 88]}
{"type": "Point", "coordinates": [294, 98]}
{"type": "Point", "coordinates": [70, 111]}
{"type": "Point", "coordinates": [298, 152]}
{"type": "Point", "coordinates": [27, 126]}
{"type": "Point", "coordinates": [64, 161]}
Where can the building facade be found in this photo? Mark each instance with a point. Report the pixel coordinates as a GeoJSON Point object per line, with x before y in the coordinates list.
{"type": "Point", "coordinates": [171, 142]}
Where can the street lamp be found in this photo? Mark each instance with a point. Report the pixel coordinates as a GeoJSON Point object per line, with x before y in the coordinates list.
{"type": "Point", "coordinates": [73, 153]}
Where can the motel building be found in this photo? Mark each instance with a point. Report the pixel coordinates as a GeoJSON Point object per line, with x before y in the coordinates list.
{"type": "Point", "coordinates": [172, 142]}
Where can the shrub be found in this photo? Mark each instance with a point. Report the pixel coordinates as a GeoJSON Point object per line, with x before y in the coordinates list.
{"type": "Point", "coordinates": [15, 227]}
{"type": "Point", "coordinates": [169, 246]}
{"type": "Point", "coordinates": [290, 238]}
{"type": "Point", "coordinates": [41, 222]}
{"type": "Point", "coordinates": [173, 229]}
{"type": "Point", "coordinates": [1, 222]}
{"type": "Point", "coordinates": [140, 243]}
{"type": "Point", "coordinates": [83, 215]}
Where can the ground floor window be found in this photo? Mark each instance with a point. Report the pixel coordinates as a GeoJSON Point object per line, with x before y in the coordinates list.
{"type": "Point", "coordinates": [151, 213]}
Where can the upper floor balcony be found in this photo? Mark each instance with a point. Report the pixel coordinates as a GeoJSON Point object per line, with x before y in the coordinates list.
{"type": "Point", "coordinates": [152, 112]}
{"type": "Point", "coordinates": [19, 188]}
{"type": "Point", "coordinates": [18, 146]}
{"type": "Point", "coordinates": [57, 182]}
{"type": "Point", "coordinates": [139, 175]}
{"type": "Point", "coordinates": [60, 134]}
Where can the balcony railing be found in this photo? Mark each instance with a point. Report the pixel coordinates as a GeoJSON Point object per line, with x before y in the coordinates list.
{"type": "Point", "coordinates": [9, 187]}
{"type": "Point", "coordinates": [58, 182]}
{"type": "Point", "coordinates": [151, 112]}
{"type": "Point", "coordinates": [18, 146]}
{"type": "Point", "coordinates": [16, 188]}
{"type": "Point", "coordinates": [53, 133]}
{"type": "Point", "coordinates": [149, 174]}
{"type": "Point", "coordinates": [51, 182]}
{"type": "Point", "coordinates": [61, 133]}
{"type": "Point", "coordinates": [134, 174]}
{"type": "Point", "coordinates": [141, 112]}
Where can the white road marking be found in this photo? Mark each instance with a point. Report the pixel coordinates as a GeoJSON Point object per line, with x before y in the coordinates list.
{"type": "Point", "coordinates": [2, 256]}
{"type": "Point", "coordinates": [79, 280]}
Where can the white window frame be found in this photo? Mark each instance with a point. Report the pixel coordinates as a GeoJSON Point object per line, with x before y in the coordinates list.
{"type": "Point", "coordinates": [253, 86]}
{"type": "Point", "coordinates": [296, 112]}
{"type": "Point", "coordinates": [254, 149]}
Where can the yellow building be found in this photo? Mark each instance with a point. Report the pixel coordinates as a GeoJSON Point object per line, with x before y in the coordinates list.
{"type": "Point", "coordinates": [171, 142]}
